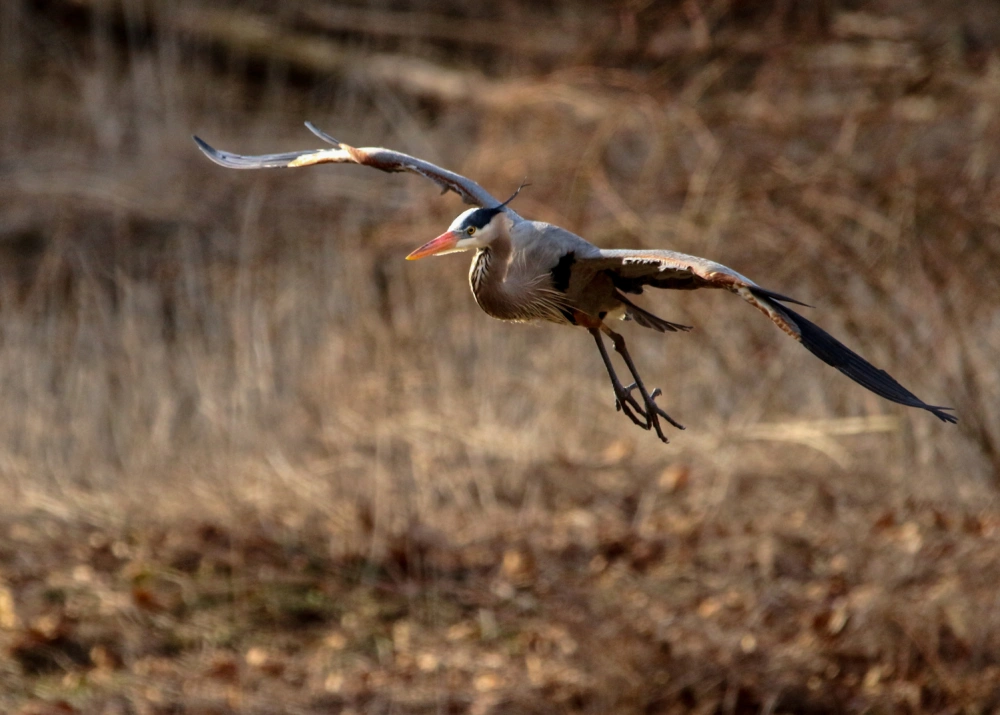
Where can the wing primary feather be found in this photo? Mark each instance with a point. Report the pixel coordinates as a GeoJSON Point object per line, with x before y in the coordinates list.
{"type": "Point", "coordinates": [321, 134]}
{"type": "Point", "coordinates": [238, 161]}
{"type": "Point", "coordinates": [833, 352]}
{"type": "Point", "coordinates": [778, 296]}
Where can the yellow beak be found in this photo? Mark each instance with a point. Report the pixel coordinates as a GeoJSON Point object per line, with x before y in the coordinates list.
{"type": "Point", "coordinates": [444, 242]}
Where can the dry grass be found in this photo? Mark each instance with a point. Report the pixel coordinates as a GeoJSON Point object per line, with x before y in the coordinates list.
{"type": "Point", "coordinates": [252, 461]}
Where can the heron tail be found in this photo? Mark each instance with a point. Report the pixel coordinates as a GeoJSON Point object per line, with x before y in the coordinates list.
{"type": "Point", "coordinates": [648, 320]}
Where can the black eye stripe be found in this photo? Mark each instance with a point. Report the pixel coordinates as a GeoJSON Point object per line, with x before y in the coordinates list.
{"type": "Point", "coordinates": [479, 218]}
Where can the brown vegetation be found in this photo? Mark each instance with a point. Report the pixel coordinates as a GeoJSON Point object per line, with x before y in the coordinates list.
{"type": "Point", "coordinates": [251, 461]}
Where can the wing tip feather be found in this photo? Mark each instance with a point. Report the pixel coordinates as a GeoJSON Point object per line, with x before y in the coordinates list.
{"type": "Point", "coordinates": [322, 135]}
{"type": "Point", "coordinates": [763, 292]}
{"type": "Point", "coordinates": [834, 353]}
{"type": "Point", "coordinates": [208, 150]}
{"type": "Point", "coordinates": [939, 412]}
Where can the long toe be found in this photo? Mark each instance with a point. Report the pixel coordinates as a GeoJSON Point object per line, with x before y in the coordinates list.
{"type": "Point", "coordinates": [626, 404]}
{"type": "Point", "coordinates": [655, 408]}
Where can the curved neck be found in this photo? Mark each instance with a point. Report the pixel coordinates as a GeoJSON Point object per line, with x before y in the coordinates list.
{"type": "Point", "coordinates": [489, 266]}
{"type": "Point", "coordinates": [488, 274]}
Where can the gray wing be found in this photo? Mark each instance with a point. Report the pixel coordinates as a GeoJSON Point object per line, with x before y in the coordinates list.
{"type": "Point", "coordinates": [634, 270]}
{"type": "Point", "coordinates": [631, 271]}
{"type": "Point", "coordinates": [375, 157]}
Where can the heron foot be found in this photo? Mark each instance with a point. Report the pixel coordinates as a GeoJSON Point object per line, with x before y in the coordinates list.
{"type": "Point", "coordinates": [652, 411]}
{"type": "Point", "coordinates": [646, 415]}
{"type": "Point", "coordinates": [624, 402]}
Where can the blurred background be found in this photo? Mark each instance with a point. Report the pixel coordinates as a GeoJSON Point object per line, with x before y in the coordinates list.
{"type": "Point", "coordinates": [253, 461]}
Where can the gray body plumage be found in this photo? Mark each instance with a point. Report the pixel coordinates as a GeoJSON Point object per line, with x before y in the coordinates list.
{"type": "Point", "coordinates": [512, 278]}
{"type": "Point", "coordinates": [536, 271]}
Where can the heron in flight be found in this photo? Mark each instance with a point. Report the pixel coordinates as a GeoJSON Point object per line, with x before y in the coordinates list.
{"type": "Point", "coordinates": [526, 271]}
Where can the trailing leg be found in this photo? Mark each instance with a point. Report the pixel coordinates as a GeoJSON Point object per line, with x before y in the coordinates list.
{"type": "Point", "coordinates": [623, 396]}
{"type": "Point", "coordinates": [652, 410]}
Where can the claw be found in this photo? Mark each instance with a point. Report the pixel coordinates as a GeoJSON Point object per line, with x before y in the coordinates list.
{"type": "Point", "coordinates": [652, 406]}
{"type": "Point", "coordinates": [653, 411]}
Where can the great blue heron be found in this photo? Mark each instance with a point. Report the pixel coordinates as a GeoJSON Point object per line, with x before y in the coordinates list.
{"type": "Point", "coordinates": [528, 270]}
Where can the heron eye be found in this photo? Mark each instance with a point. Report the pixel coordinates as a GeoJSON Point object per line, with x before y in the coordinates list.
{"type": "Point", "coordinates": [471, 230]}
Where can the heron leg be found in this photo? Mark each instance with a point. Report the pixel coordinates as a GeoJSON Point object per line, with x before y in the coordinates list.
{"type": "Point", "coordinates": [623, 396]}
{"type": "Point", "coordinates": [652, 410]}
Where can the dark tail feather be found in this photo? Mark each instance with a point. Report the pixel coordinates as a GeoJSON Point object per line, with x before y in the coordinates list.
{"type": "Point", "coordinates": [833, 352]}
{"type": "Point", "coordinates": [647, 319]}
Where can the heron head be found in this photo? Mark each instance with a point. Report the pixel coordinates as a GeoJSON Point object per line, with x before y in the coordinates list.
{"type": "Point", "coordinates": [474, 228]}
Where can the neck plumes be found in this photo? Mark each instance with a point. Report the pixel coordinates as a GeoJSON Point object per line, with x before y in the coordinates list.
{"type": "Point", "coordinates": [488, 279]}
{"type": "Point", "coordinates": [506, 288]}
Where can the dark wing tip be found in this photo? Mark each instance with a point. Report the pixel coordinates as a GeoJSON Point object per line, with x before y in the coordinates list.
{"type": "Point", "coordinates": [833, 352]}
{"type": "Point", "coordinates": [239, 161]}
{"type": "Point", "coordinates": [206, 149]}
{"type": "Point", "coordinates": [224, 158]}
{"type": "Point", "coordinates": [322, 135]}
{"type": "Point", "coordinates": [943, 416]}
{"type": "Point", "coordinates": [757, 290]}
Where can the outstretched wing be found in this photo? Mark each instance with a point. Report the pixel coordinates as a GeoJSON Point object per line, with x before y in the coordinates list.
{"type": "Point", "coordinates": [631, 271]}
{"type": "Point", "coordinates": [375, 157]}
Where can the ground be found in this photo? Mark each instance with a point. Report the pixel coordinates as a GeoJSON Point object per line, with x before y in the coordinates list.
{"type": "Point", "coordinates": [631, 599]}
